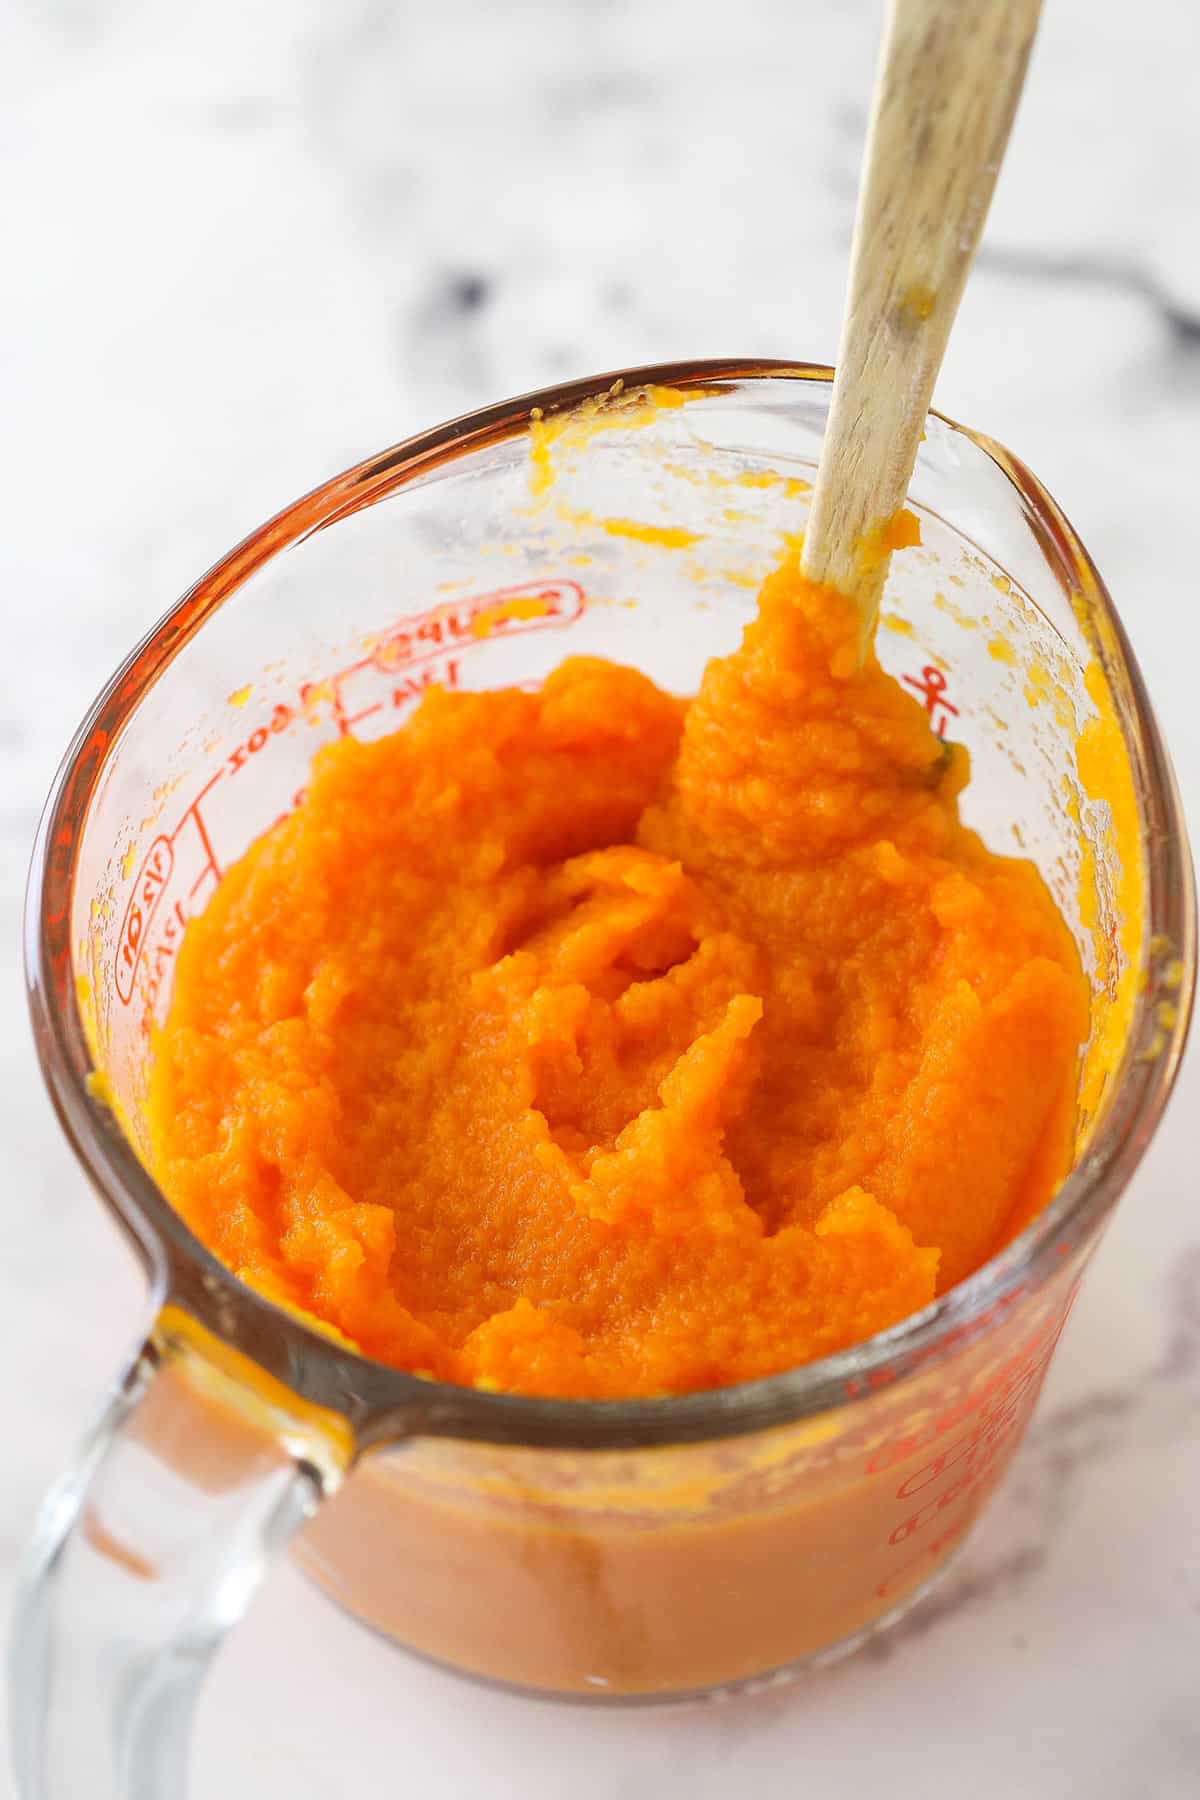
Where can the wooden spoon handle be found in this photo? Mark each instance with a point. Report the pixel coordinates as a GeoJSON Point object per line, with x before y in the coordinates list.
{"type": "Point", "coordinates": [946, 90]}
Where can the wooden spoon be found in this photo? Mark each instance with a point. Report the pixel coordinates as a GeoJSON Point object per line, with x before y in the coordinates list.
{"type": "Point", "coordinates": [949, 78]}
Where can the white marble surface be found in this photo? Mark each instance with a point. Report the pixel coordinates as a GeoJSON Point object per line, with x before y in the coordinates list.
{"type": "Point", "coordinates": [245, 243]}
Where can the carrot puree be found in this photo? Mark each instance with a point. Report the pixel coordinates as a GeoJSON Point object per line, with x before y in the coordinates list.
{"type": "Point", "coordinates": [594, 1043]}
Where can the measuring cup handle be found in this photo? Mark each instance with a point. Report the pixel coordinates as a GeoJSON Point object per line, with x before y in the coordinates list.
{"type": "Point", "coordinates": [147, 1552]}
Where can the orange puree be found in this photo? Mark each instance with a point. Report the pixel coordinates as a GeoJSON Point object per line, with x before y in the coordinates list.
{"type": "Point", "coordinates": [591, 1043]}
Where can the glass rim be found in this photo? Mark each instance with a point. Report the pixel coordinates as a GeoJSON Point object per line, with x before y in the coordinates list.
{"type": "Point", "coordinates": [383, 1403]}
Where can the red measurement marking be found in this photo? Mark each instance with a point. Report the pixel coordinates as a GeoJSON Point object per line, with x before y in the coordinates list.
{"type": "Point", "coordinates": [337, 684]}
{"type": "Point", "coordinates": [279, 721]}
{"type": "Point", "coordinates": [967, 1465]}
{"type": "Point", "coordinates": [433, 675]}
{"type": "Point", "coordinates": [926, 1556]}
{"type": "Point", "coordinates": [414, 654]}
{"type": "Point", "coordinates": [349, 688]}
{"type": "Point", "coordinates": [429, 636]}
{"type": "Point", "coordinates": [931, 685]}
{"type": "Point", "coordinates": [452, 626]}
{"type": "Point", "coordinates": [211, 867]}
{"type": "Point", "coordinates": [143, 902]}
{"type": "Point", "coordinates": [977, 1471]}
{"type": "Point", "coordinates": [154, 877]}
{"type": "Point", "coordinates": [1024, 1366]}
{"type": "Point", "coordinates": [158, 959]}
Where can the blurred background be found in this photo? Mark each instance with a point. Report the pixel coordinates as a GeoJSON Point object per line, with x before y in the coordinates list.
{"type": "Point", "coordinates": [246, 243]}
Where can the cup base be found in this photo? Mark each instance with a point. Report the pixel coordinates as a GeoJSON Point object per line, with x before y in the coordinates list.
{"type": "Point", "coordinates": [606, 1696]}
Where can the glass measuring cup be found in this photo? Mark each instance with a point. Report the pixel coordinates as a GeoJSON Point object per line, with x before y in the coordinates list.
{"type": "Point", "coordinates": [617, 1549]}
